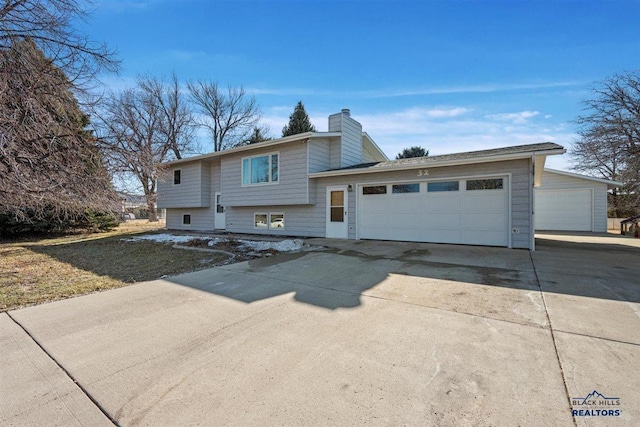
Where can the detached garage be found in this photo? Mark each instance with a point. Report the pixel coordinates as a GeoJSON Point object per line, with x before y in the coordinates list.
{"type": "Point", "coordinates": [567, 201]}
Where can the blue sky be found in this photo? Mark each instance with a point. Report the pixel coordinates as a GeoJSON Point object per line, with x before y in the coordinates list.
{"type": "Point", "coordinates": [446, 75]}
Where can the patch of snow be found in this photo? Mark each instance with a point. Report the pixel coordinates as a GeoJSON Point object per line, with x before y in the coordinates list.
{"type": "Point", "coordinates": [217, 240]}
{"type": "Point", "coordinates": [288, 245]}
{"type": "Point", "coordinates": [165, 238]}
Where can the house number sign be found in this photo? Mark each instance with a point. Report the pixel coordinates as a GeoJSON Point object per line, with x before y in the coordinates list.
{"type": "Point", "coordinates": [423, 172]}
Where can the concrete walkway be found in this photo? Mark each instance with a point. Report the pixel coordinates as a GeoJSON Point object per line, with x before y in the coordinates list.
{"type": "Point", "coordinates": [364, 332]}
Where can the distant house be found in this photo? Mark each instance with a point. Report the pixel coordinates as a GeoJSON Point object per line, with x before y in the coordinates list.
{"type": "Point", "coordinates": [339, 184]}
{"type": "Point", "coordinates": [571, 202]}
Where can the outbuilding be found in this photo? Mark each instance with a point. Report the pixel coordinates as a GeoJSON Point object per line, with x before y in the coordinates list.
{"type": "Point", "coordinates": [568, 201]}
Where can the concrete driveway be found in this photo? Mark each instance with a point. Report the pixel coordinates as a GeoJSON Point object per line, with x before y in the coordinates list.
{"type": "Point", "coordinates": [364, 332]}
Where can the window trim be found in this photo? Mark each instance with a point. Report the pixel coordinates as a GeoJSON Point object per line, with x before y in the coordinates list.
{"type": "Point", "coordinates": [444, 182]}
{"type": "Point", "coordinates": [249, 158]}
{"type": "Point", "coordinates": [284, 224]}
{"type": "Point", "coordinates": [268, 225]}
{"type": "Point", "coordinates": [174, 176]}
{"type": "Point", "coordinates": [190, 219]}
{"type": "Point", "coordinates": [406, 184]}
{"type": "Point", "coordinates": [386, 190]}
{"type": "Point", "coordinates": [502, 185]}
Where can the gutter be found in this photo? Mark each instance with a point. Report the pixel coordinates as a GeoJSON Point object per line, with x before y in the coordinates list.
{"type": "Point", "coordinates": [455, 162]}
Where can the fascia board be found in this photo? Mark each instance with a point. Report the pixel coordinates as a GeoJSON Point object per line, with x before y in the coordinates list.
{"type": "Point", "coordinates": [455, 162]}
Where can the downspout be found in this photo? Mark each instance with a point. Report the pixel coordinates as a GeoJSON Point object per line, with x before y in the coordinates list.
{"type": "Point", "coordinates": [532, 230]}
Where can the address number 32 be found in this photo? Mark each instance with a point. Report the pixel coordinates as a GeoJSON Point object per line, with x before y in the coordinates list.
{"type": "Point", "coordinates": [423, 172]}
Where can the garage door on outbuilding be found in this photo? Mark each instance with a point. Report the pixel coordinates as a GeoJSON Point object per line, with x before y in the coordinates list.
{"type": "Point", "coordinates": [470, 211]}
{"type": "Point", "coordinates": [570, 202]}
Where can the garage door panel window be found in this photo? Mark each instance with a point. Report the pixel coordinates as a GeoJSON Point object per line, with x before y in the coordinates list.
{"type": "Point", "coordinates": [433, 187]}
{"type": "Point", "coordinates": [374, 189]}
{"type": "Point", "coordinates": [405, 188]}
{"type": "Point", "coordinates": [485, 184]}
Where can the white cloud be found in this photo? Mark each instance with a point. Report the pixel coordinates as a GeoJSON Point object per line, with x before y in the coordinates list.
{"type": "Point", "coordinates": [517, 118]}
{"type": "Point", "coordinates": [417, 91]}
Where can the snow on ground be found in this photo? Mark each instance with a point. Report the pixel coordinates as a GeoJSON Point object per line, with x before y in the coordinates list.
{"type": "Point", "coordinates": [287, 245]}
{"type": "Point", "coordinates": [165, 238]}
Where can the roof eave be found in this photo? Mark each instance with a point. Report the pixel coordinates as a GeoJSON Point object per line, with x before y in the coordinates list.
{"type": "Point", "coordinates": [455, 162]}
{"type": "Point", "coordinates": [610, 184]}
{"type": "Point", "coordinates": [291, 138]}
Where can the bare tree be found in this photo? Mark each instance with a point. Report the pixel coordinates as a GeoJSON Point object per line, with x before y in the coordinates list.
{"type": "Point", "coordinates": [609, 143]}
{"type": "Point", "coordinates": [49, 23]}
{"type": "Point", "coordinates": [143, 127]}
{"type": "Point", "coordinates": [229, 116]}
{"type": "Point", "coordinates": [50, 167]}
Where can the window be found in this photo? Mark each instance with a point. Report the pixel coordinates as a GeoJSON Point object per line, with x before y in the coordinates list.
{"type": "Point", "coordinates": [270, 221]}
{"type": "Point", "coordinates": [484, 184]}
{"type": "Point", "coordinates": [375, 189]}
{"type": "Point", "coordinates": [443, 186]}
{"type": "Point", "coordinates": [260, 221]}
{"type": "Point", "coordinates": [186, 219]}
{"type": "Point", "coordinates": [405, 188]}
{"type": "Point", "coordinates": [260, 169]}
{"type": "Point", "coordinates": [276, 221]}
{"type": "Point", "coordinates": [177, 177]}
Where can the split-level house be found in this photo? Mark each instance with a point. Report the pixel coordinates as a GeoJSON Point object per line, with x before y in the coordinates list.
{"type": "Point", "coordinates": [339, 184]}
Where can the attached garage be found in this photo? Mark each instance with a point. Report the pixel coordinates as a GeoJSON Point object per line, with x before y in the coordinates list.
{"type": "Point", "coordinates": [570, 202]}
{"type": "Point", "coordinates": [470, 211]}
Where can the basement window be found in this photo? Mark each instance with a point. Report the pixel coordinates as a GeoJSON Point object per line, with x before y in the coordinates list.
{"type": "Point", "coordinates": [186, 219]}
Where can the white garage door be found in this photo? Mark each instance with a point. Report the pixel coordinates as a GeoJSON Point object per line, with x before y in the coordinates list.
{"type": "Point", "coordinates": [473, 211]}
{"type": "Point", "coordinates": [568, 210]}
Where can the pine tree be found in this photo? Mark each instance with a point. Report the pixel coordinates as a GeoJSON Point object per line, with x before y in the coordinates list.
{"type": "Point", "coordinates": [51, 172]}
{"type": "Point", "coordinates": [416, 151]}
{"type": "Point", "coordinates": [298, 122]}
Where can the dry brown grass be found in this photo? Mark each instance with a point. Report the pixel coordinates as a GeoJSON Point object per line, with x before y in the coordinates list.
{"type": "Point", "coordinates": [37, 271]}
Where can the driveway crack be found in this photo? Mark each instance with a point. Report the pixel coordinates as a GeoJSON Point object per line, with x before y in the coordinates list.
{"type": "Point", "coordinates": [553, 339]}
{"type": "Point", "coordinates": [66, 372]}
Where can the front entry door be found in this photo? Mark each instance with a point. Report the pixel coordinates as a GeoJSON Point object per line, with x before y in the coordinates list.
{"type": "Point", "coordinates": [219, 220]}
{"type": "Point", "coordinates": [337, 221]}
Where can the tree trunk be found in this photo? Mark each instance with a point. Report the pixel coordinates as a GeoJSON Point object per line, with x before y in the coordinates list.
{"type": "Point", "coordinates": [153, 213]}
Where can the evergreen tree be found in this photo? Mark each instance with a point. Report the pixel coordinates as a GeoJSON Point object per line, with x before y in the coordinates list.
{"type": "Point", "coordinates": [51, 171]}
{"type": "Point", "coordinates": [298, 122]}
{"type": "Point", "coordinates": [257, 135]}
{"type": "Point", "coordinates": [412, 152]}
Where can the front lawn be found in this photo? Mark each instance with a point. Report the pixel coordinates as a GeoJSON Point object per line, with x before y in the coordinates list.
{"type": "Point", "coordinates": [37, 271]}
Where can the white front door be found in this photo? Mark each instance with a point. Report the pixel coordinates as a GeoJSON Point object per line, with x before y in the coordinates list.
{"type": "Point", "coordinates": [219, 219]}
{"type": "Point", "coordinates": [337, 212]}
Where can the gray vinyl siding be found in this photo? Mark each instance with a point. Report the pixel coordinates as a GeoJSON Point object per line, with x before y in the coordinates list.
{"type": "Point", "coordinates": [310, 220]}
{"type": "Point", "coordinates": [318, 155]}
{"type": "Point", "coordinates": [300, 221]}
{"type": "Point", "coordinates": [335, 154]}
{"type": "Point", "coordinates": [554, 181]}
{"type": "Point", "coordinates": [216, 181]}
{"type": "Point", "coordinates": [351, 142]}
{"type": "Point", "coordinates": [192, 192]}
{"type": "Point", "coordinates": [349, 151]}
{"type": "Point", "coordinates": [367, 156]}
{"type": "Point", "coordinates": [291, 188]}
{"type": "Point", "coordinates": [201, 219]}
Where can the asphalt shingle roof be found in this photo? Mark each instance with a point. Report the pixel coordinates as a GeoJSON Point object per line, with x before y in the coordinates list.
{"type": "Point", "coordinates": [433, 160]}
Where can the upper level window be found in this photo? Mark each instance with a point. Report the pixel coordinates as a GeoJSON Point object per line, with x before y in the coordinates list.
{"type": "Point", "coordinates": [261, 169]}
{"type": "Point", "coordinates": [177, 176]}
